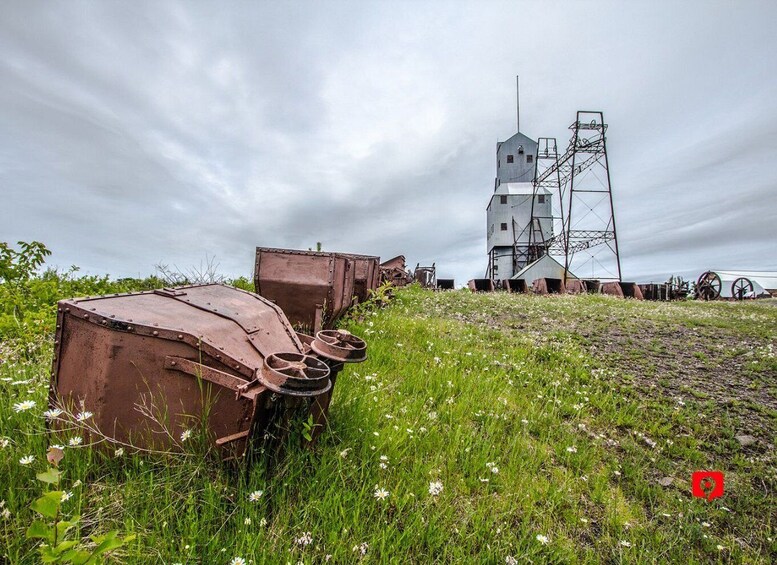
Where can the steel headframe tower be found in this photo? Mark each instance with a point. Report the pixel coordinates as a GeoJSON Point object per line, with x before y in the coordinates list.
{"type": "Point", "coordinates": [582, 217]}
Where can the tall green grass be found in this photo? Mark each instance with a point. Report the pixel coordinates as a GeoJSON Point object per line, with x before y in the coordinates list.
{"type": "Point", "coordinates": [496, 441]}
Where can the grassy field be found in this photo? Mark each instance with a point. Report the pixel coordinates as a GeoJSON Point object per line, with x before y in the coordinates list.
{"type": "Point", "coordinates": [486, 428]}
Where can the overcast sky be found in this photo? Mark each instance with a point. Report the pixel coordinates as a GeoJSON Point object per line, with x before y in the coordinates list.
{"type": "Point", "coordinates": [134, 134]}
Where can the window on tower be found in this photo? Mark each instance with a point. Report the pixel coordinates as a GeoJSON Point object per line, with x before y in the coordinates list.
{"type": "Point", "coordinates": [509, 158]}
{"type": "Point", "coordinates": [503, 199]}
{"type": "Point", "coordinates": [541, 199]}
{"type": "Point", "coordinates": [520, 150]}
{"type": "Point", "coordinates": [504, 226]}
{"type": "Point", "coordinates": [530, 158]}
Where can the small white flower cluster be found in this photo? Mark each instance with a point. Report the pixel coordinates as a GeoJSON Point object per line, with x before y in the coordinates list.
{"type": "Point", "coordinates": [435, 488]}
{"type": "Point", "coordinates": [361, 548]}
{"type": "Point", "coordinates": [186, 435]}
{"type": "Point", "coordinates": [572, 449]}
{"type": "Point", "coordinates": [384, 460]}
{"type": "Point", "coordinates": [304, 540]}
{"type": "Point", "coordinates": [493, 467]}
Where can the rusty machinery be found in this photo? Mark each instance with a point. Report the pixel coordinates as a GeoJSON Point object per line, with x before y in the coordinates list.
{"type": "Point", "coordinates": [395, 272]}
{"type": "Point", "coordinates": [314, 288]}
{"type": "Point", "coordinates": [151, 365]}
{"type": "Point", "coordinates": [425, 276]}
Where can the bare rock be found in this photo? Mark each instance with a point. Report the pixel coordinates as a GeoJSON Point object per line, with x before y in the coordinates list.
{"type": "Point", "coordinates": [745, 440]}
{"type": "Point", "coordinates": [666, 481]}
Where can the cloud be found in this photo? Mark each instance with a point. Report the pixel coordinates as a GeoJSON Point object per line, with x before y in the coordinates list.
{"type": "Point", "coordinates": [137, 133]}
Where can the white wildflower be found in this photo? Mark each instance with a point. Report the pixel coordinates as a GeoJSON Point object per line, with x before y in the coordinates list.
{"type": "Point", "coordinates": [83, 416]}
{"type": "Point", "coordinates": [344, 452]}
{"type": "Point", "coordinates": [26, 460]}
{"type": "Point", "coordinates": [381, 493]}
{"type": "Point", "coordinates": [119, 452]}
{"type": "Point", "coordinates": [304, 540]}
{"type": "Point", "coordinates": [66, 496]}
{"type": "Point", "coordinates": [262, 522]}
{"type": "Point", "coordinates": [74, 441]}
{"type": "Point", "coordinates": [435, 488]}
{"type": "Point", "coordinates": [247, 521]}
{"type": "Point", "coordinates": [237, 561]}
{"type": "Point", "coordinates": [572, 449]}
{"type": "Point", "coordinates": [53, 413]}
{"type": "Point", "coordinates": [4, 442]}
{"type": "Point", "coordinates": [255, 496]}
{"type": "Point", "coordinates": [5, 514]}
{"type": "Point", "coordinates": [185, 435]}
{"type": "Point", "coordinates": [24, 405]}
{"type": "Point", "coordinates": [625, 543]}
{"type": "Point", "coordinates": [510, 560]}
{"type": "Point", "coordinates": [543, 539]}
{"type": "Point", "coordinates": [361, 548]}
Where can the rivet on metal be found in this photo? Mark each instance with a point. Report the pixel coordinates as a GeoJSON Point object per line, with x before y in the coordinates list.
{"type": "Point", "coordinates": [156, 333]}
{"type": "Point", "coordinates": [180, 336]}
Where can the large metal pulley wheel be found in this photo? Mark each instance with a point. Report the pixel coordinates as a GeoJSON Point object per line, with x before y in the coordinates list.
{"type": "Point", "coordinates": [742, 288]}
{"type": "Point", "coordinates": [340, 345]}
{"type": "Point", "coordinates": [708, 286]}
{"type": "Point", "coordinates": [295, 374]}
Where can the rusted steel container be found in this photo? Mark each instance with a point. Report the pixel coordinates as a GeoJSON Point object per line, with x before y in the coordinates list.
{"type": "Point", "coordinates": [425, 276]}
{"type": "Point", "coordinates": [592, 286]}
{"type": "Point", "coordinates": [622, 289]}
{"type": "Point", "coordinates": [514, 285]}
{"type": "Point", "coordinates": [631, 290]}
{"type": "Point", "coordinates": [313, 288]}
{"type": "Point", "coordinates": [481, 285]}
{"type": "Point", "coordinates": [548, 286]}
{"type": "Point", "coordinates": [151, 365]}
{"type": "Point", "coordinates": [366, 274]}
{"type": "Point", "coordinates": [575, 286]}
{"type": "Point", "coordinates": [612, 289]}
{"type": "Point", "coordinates": [445, 284]}
{"type": "Point", "coordinates": [394, 271]}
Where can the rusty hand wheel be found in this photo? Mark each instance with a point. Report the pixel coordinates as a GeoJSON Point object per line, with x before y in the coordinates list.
{"type": "Point", "coordinates": [708, 286]}
{"type": "Point", "coordinates": [340, 345]}
{"type": "Point", "coordinates": [741, 288]}
{"type": "Point", "coordinates": [295, 374]}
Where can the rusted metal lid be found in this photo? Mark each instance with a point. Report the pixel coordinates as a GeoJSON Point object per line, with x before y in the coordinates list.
{"type": "Point", "coordinates": [295, 374]}
{"type": "Point", "coordinates": [227, 323]}
{"type": "Point", "coordinates": [340, 345]}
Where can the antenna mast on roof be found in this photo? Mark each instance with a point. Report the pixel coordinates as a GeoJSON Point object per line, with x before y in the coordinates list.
{"type": "Point", "coordinates": [517, 104]}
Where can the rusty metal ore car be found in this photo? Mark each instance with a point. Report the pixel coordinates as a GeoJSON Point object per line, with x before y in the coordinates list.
{"type": "Point", "coordinates": [395, 272]}
{"type": "Point", "coordinates": [151, 365]}
{"type": "Point", "coordinates": [313, 288]}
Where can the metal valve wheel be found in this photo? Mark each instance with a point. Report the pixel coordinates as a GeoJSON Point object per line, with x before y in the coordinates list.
{"type": "Point", "coordinates": [708, 286]}
{"type": "Point", "coordinates": [340, 345]}
{"type": "Point", "coordinates": [741, 288]}
{"type": "Point", "coordinates": [295, 374]}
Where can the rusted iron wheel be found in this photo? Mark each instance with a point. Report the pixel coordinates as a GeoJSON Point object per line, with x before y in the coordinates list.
{"type": "Point", "coordinates": [340, 345]}
{"type": "Point", "coordinates": [741, 288]}
{"type": "Point", "coordinates": [708, 286]}
{"type": "Point", "coordinates": [295, 374]}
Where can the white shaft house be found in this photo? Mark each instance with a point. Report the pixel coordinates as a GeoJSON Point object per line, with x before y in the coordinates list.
{"type": "Point", "coordinates": [509, 212]}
